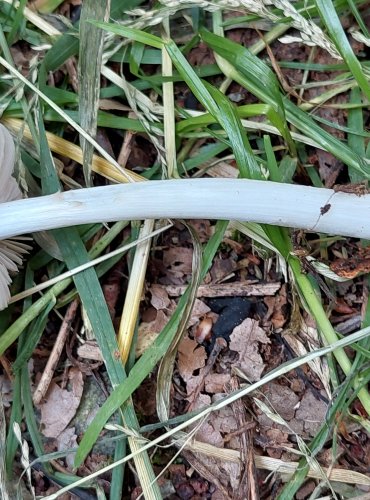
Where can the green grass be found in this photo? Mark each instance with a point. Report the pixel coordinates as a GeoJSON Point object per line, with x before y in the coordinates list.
{"type": "Point", "coordinates": [220, 131]}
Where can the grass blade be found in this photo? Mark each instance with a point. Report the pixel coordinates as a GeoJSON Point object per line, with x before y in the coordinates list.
{"type": "Point", "coordinates": [241, 72]}
{"type": "Point", "coordinates": [91, 49]}
{"type": "Point", "coordinates": [331, 20]}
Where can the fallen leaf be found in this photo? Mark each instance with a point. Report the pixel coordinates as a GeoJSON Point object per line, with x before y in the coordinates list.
{"type": "Point", "coordinates": [148, 332]}
{"type": "Point", "coordinates": [6, 391]}
{"type": "Point", "coordinates": [312, 412]}
{"type": "Point", "coordinates": [342, 307]}
{"type": "Point", "coordinates": [191, 357]}
{"type": "Point", "coordinates": [160, 298]}
{"type": "Point", "coordinates": [207, 433]}
{"type": "Point", "coordinates": [61, 405]}
{"type": "Point", "coordinates": [277, 308]}
{"type": "Point", "coordinates": [68, 439]}
{"type": "Point", "coordinates": [222, 268]}
{"type": "Point", "coordinates": [200, 309]}
{"type": "Point", "coordinates": [178, 261]}
{"type": "Point", "coordinates": [244, 340]}
{"type": "Point", "coordinates": [282, 400]}
{"type": "Point", "coordinates": [215, 382]}
{"type": "Point", "coordinates": [329, 167]}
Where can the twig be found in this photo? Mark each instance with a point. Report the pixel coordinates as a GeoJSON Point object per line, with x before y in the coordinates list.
{"type": "Point", "coordinates": [47, 375]}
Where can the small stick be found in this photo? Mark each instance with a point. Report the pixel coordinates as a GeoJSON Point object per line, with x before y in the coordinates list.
{"type": "Point", "coordinates": [55, 353]}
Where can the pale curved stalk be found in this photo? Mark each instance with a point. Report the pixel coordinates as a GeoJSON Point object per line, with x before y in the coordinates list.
{"type": "Point", "coordinates": [304, 207]}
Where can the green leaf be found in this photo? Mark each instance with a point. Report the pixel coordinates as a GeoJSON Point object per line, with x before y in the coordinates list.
{"type": "Point", "coordinates": [131, 33]}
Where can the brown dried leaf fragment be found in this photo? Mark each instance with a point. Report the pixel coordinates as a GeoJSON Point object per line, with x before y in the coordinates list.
{"type": "Point", "coordinates": [244, 340]}
{"type": "Point", "coordinates": [191, 357]}
{"type": "Point", "coordinates": [61, 405]}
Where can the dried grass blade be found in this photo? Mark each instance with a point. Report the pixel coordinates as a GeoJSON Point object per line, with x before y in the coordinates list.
{"type": "Point", "coordinates": [91, 50]}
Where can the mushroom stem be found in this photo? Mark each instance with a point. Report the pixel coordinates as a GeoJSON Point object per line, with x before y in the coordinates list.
{"type": "Point", "coordinates": [312, 209]}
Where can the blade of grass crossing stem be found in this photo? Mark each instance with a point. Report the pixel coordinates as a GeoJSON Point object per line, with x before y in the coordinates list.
{"type": "Point", "coordinates": [164, 378]}
{"type": "Point", "coordinates": [356, 122]}
{"type": "Point", "coordinates": [91, 49]}
{"type": "Point", "coordinates": [92, 298]}
{"type": "Point", "coordinates": [245, 159]}
{"type": "Point", "coordinates": [33, 336]}
{"type": "Point", "coordinates": [275, 174]}
{"type": "Point", "coordinates": [17, 404]}
{"type": "Point", "coordinates": [15, 417]}
{"type": "Point", "coordinates": [149, 359]}
{"type": "Point", "coordinates": [331, 20]}
{"type": "Point", "coordinates": [240, 61]}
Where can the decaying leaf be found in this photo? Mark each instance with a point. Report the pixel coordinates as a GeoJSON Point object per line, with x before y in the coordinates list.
{"type": "Point", "coordinates": [244, 340]}
{"type": "Point", "coordinates": [148, 332]}
{"type": "Point", "coordinates": [312, 412]}
{"type": "Point", "coordinates": [178, 261]}
{"type": "Point", "coordinates": [276, 308]}
{"type": "Point", "coordinates": [67, 439]}
{"type": "Point", "coordinates": [160, 298]}
{"type": "Point", "coordinates": [191, 357]}
{"type": "Point", "coordinates": [61, 405]}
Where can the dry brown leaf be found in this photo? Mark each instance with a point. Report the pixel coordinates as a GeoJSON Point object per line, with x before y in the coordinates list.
{"type": "Point", "coordinates": [200, 309]}
{"type": "Point", "coordinates": [215, 382]}
{"type": "Point", "coordinates": [276, 308]}
{"type": "Point", "coordinates": [222, 268]}
{"type": "Point", "coordinates": [312, 412]}
{"type": "Point", "coordinates": [148, 332]}
{"type": "Point", "coordinates": [178, 261]}
{"type": "Point", "coordinates": [282, 400]}
{"type": "Point", "coordinates": [207, 433]}
{"type": "Point", "coordinates": [191, 357]}
{"type": "Point", "coordinates": [160, 298]}
{"type": "Point", "coordinates": [67, 439]}
{"type": "Point", "coordinates": [6, 391]}
{"type": "Point", "coordinates": [61, 405]}
{"type": "Point", "coordinates": [244, 340]}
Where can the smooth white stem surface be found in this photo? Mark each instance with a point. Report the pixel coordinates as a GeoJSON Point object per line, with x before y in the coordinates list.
{"type": "Point", "coordinates": [235, 199]}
